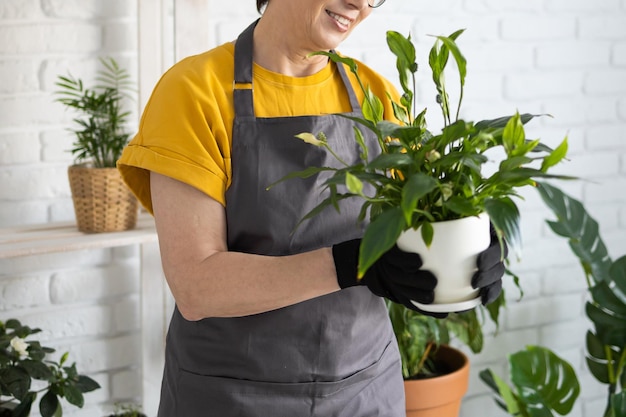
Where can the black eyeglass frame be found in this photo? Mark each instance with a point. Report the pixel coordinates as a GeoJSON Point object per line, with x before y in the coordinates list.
{"type": "Point", "coordinates": [369, 3]}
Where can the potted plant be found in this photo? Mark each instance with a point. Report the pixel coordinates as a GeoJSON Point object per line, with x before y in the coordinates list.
{"type": "Point", "coordinates": [127, 410]}
{"type": "Point", "coordinates": [22, 361]}
{"type": "Point", "coordinates": [102, 202]}
{"type": "Point", "coordinates": [606, 310]}
{"type": "Point", "coordinates": [422, 182]}
{"type": "Point", "coordinates": [435, 374]}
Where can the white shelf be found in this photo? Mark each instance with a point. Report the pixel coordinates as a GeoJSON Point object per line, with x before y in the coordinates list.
{"type": "Point", "coordinates": [65, 237]}
{"type": "Point", "coordinates": [155, 299]}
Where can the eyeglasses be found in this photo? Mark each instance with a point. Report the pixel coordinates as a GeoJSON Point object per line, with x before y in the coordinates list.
{"type": "Point", "coordinates": [375, 3]}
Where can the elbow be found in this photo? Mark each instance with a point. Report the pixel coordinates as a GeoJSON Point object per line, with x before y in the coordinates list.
{"type": "Point", "coordinates": [189, 302]}
{"type": "Point", "coordinates": [189, 313]}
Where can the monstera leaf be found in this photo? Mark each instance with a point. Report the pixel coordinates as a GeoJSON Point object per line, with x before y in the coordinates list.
{"type": "Point", "coordinates": [618, 404]}
{"type": "Point", "coordinates": [574, 223]}
{"type": "Point", "coordinates": [606, 344]}
{"type": "Point", "coordinates": [542, 382]}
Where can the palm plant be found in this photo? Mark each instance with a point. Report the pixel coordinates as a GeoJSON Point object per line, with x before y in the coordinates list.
{"type": "Point", "coordinates": [100, 132]}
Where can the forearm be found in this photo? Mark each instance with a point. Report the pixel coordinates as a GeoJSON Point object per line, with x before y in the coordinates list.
{"type": "Point", "coordinates": [229, 284]}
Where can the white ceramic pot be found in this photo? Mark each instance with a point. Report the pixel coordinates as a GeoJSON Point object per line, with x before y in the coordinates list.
{"type": "Point", "coordinates": [452, 259]}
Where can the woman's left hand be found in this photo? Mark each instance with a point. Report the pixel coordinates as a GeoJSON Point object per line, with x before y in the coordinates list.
{"type": "Point", "coordinates": [491, 269]}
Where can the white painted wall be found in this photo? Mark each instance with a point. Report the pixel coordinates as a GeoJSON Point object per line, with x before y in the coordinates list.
{"type": "Point", "coordinates": [563, 57]}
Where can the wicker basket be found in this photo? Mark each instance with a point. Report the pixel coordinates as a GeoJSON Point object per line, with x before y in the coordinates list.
{"type": "Point", "coordinates": [102, 202]}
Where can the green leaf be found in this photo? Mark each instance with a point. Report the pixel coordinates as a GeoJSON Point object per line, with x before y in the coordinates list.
{"type": "Point", "coordinates": [401, 47]}
{"type": "Point", "coordinates": [598, 370]}
{"type": "Point", "coordinates": [513, 135]}
{"type": "Point", "coordinates": [461, 206]}
{"type": "Point", "coordinates": [380, 236]}
{"type": "Point", "coordinates": [16, 380]}
{"type": "Point", "coordinates": [618, 404]}
{"type": "Point", "coordinates": [305, 173]}
{"type": "Point", "coordinates": [24, 407]}
{"type": "Point", "coordinates": [404, 51]}
{"type": "Point", "coordinates": [595, 346]}
{"type": "Point", "coordinates": [543, 380]}
{"type": "Point", "coordinates": [86, 384]}
{"type": "Point", "coordinates": [416, 187]}
{"type": "Point", "coordinates": [353, 184]}
{"type": "Point", "coordinates": [555, 157]}
{"type": "Point", "coordinates": [501, 122]}
{"type": "Point", "coordinates": [505, 217]}
{"type": "Point", "coordinates": [74, 396]}
{"type": "Point", "coordinates": [499, 386]}
{"type": "Point", "coordinates": [427, 232]}
{"type": "Point", "coordinates": [387, 161]}
{"type": "Point", "coordinates": [372, 107]}
{"type": "Point", "coordinates": [49, 405]}
{"type": "Point", "coordinates": [573, 222]}
{"type": "Point", "coordinates": [605, 296]}
{"type": "Point", "coordinates": [495, 307]}
{"type": "Point", "coordinates": [467, 328]}
{"type": "Point", "coordinates": [37, 369]}
{"type": "Point", "coordinates": [349, 62]}
{"type": "Point", "coordinates": [358, 136]}
{"type": "Point", "coordinates": [617, 272]}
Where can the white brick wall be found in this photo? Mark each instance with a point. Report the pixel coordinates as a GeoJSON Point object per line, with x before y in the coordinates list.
{"type": "Point", "coordinates": [563, 57]}
{"type": "Point", "coordinates": [86, 302]}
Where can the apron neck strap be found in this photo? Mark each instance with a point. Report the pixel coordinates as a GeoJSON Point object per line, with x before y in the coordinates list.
{"type": "Point", "coordinates": [242, 85]}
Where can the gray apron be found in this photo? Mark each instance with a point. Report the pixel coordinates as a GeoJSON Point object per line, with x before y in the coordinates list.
{"type": "Point", "coordinates": [332, 356]}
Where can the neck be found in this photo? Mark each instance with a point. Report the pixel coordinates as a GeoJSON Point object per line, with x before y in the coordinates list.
{"type": "Point", "coordinates": [283, 54]}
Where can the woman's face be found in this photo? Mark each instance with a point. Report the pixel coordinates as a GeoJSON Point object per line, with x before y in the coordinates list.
{"type": "Point", "coordinates": [322, 24]}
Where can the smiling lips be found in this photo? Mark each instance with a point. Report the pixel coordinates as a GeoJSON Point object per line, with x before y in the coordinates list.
{"type": "Point", "coordinates": [343, 21]}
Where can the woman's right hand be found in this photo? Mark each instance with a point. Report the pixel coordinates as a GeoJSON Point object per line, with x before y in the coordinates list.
{"type": "Point", "coordinates": [396, 275]}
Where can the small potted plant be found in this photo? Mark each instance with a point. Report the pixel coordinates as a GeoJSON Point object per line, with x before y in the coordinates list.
{"type": "Point", "coordinates": [22, 361]}
{"type": "Point", "coordinates": [436, 375]}
{"type": "Point", "coordinates": [127, 410]}
{"type": "Point", "coordinates": [102, 202]}
{"type": "Point", "coordinates": [429, 192]}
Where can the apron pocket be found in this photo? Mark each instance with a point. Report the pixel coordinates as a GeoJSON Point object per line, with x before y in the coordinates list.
{"type": "Point", "coordinates": [207, 396]}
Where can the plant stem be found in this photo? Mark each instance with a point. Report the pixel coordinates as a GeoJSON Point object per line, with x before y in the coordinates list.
{"type": "Point", "coordinates": [429, 347]}
{"type": "Point", "coordinates": [334, 154]}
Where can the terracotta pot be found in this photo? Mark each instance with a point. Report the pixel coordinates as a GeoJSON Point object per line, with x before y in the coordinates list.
{"type": "Point", "coordinates": [439, 396]}
{"type": "Point", "coordinates": [452, 258]}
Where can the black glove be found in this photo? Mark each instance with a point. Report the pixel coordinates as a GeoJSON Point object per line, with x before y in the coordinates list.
{"type": "Point", "coordinates": [491, 268]}
{"type": "Point", "coordinates": [396, 275]}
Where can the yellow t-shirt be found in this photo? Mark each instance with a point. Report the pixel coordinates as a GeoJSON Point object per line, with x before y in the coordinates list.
{"type": "Point", "coordinates": [186, 128]}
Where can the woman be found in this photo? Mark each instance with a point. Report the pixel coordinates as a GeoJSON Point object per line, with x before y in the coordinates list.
{"type": "Point", "coordinates": [268, 321]}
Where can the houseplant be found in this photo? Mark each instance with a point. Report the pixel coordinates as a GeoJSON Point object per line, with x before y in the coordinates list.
{"type": "Point", "coordinates": [22, 361]}
{"type": "Point", "coordinates": [542, 383]}
{"type": "Point", "coordinates": [420, 179]}
{"type": "Point", "coordinates": [102, 202]}
{"type": "Point", "coordinates": [431, 367]}
{"type": "Point", "coordinates": [127, 410]}
{"type": "Point", "coordinates": [429, 362]}
{"type": "Point", "coordinates": [606, 307]}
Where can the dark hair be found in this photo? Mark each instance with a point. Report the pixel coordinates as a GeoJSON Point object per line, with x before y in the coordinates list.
{"type": "Point", "coordinates": [260, 4]}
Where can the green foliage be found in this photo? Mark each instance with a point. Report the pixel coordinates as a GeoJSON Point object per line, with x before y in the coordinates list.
{"type": "Point", "coordinates": [542, 383]}
{"type": "Point", "coordinates": [419, 177]}
{"type": "Point", "coordinates": [22, 361]}
{"type": "Point", "coordinates": [606, 279]}
{"type": "Point", "coordinates": [100, 132]}
{"type": "Point", "coordinates": [420, 336]}
{"type": "Point", "coordinates": [127, 410]}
